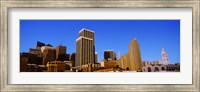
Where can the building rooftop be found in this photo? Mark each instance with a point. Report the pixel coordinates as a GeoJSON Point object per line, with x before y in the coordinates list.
{"type": "Point", "coordinates": [40, 44]}
{"type": "Point", "coordinates": [84, 38]}
{"type": "Point", "coordinates": [49, 45]}
{"type": "Point", "coordinates": [85, 29]}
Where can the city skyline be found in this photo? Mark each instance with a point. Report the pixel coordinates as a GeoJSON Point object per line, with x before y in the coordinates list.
{"type": "Point", "coordinates": [49, 31]}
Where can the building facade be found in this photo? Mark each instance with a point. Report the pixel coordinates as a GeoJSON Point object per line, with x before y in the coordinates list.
{"type": "Point", "coordinates": [161, 68]}
{"type": "Point", "coordinates": [135, 56]}
{"type": "Point", "coordinates": [85, 53]}
{"type": "Point", "coordinates": [60, 51]}
{"type": "Point", "coordinates": [36, 52]}
{"type": "Point", "coordinates": [109, 55]}
{"type": "Point", "coordinates": [124, 62]}
{"type": "Point", "coordinates": [48, 54]}
{"type": "Point", "coordinates": [32, 58]}
{"type": "Point", "coordinates": [56, 66]}
{"type": "Point", "coordinates": [132, 60]}
{"type": "Point", "coordinates": [145, 63]}
{"type": "Point", "coordinates": [154, 68]}
{"type": "Point", "coordinates": [109, 64]}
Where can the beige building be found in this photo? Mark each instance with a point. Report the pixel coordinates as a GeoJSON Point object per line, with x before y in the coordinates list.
{"type": "Point", "coordinates": [37, 50]}
{"type": "Point", "coordinates": [46, 47]}
{"type": "Point", "coordinates": [60, 50]}
{"type": "Point", "coordinates": [52, 67]}
{"type": "Point", "coordinates": [85, 48]}
{"type": "Point", "coordinates": [109, 64]}
{"type": "Point", "coordinates": [135, 56]}
{"type": "Point", "coordinates": [132, 59]}
{"type": "Point", "coordinates": [89, 67]}
{"type": "Point", "coordinates": [48, 54]}
{"type": "Point", "coordinates": [86, 33]}
{"type": "Point", "coordinates": [56, 66]}
{"type": "Point", "coordinates": [124, 62]}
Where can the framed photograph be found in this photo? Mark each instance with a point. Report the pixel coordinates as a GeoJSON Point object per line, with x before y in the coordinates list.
{"type": "Point", "coordinates": [94, 45]}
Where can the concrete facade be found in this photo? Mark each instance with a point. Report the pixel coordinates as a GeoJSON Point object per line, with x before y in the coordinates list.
{"type": "Point", "coordinates": [135, 56]}
{"type": "Point", "coordinates": [48, 54]}
{"type": "Point", "coordinates": [154, 68]}
{"type": "Point", "coordinates": [108, 64]}
{"type": "Point", "coordinates": [132, 59]}
{"type": "Point", "coordinates": [85, 53]}
{"type": "Point", "coordinates": [60, 50]}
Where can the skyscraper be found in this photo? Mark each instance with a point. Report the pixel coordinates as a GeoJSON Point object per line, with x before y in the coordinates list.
{"type": "Point", "coordinates": [85, 52]}
{"type": "Point", "coordinates": [135, 56]}
{"type": "Point", "coordinates": [48, 54]}
{"type": "Point", "coordinates": [109, 55]}
{"type": "Point", "coordinates": [164, 57]}
{"type": "Point", "coordinates": [61, 53]}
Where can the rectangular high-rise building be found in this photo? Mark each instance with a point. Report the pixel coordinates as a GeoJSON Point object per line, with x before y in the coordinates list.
{"type": "Point", "coordinates": [60, 51]}
{"type": "Point", "coordinates": [85, 52]}
{"type": "Point", "coordinates": [86, 33]}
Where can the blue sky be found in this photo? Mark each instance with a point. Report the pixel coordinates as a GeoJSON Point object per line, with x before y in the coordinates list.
{"type": "Point", "coordinates": [152, 35]}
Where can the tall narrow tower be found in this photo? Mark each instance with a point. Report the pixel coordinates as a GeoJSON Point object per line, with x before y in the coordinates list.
{"type": "Point", "coordinates": [85, 53]}
{"type": "Point", "coordinates": [164, 57]}
{"type": "Point", "coordinates": [135, 56]}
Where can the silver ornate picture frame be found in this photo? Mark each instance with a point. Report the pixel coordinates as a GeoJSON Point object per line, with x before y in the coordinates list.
{"type": "Point", "coordinates": [4, 55]}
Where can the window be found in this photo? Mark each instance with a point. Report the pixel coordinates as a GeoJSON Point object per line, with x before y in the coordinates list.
{"type": "Point", "coordinates": [163, 68]}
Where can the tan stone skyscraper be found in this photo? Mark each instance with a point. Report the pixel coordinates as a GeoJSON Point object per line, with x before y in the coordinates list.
{"type": "Point", "coordinates": [85, 53]}
{"type": "Point", "coordinates": [135, 56]}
